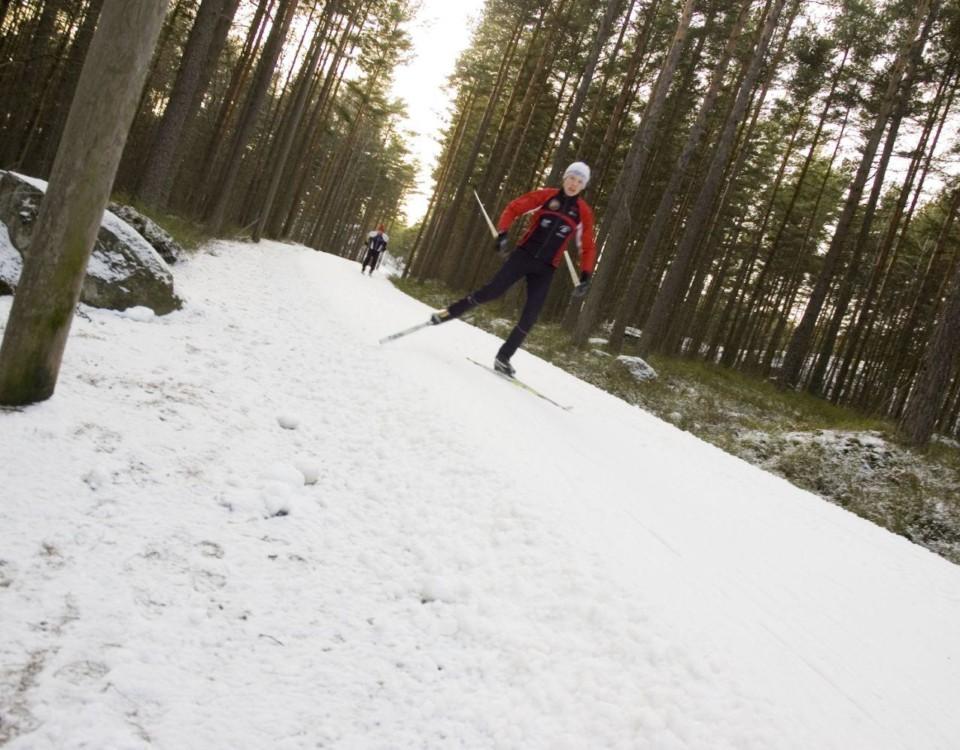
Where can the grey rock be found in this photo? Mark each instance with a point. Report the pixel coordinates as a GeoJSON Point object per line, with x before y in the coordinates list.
{"type": "Point", "coordinates": [124, 269]}
{"type": "Point", "coordinates": [162, 242]}
{"type": "Point", "coordinates": [10, 263]}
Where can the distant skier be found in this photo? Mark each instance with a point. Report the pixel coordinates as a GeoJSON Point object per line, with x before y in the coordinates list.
{"type": "Point", "coordinates": [376, 244]}
{"type": "Point", "coordinates": [558, 215]}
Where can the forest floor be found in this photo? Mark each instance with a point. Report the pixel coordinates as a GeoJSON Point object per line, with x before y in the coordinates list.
{"type": "Point", "coordinates": [845, 457]}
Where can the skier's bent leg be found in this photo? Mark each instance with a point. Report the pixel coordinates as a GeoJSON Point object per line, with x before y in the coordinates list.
{"type": "Point", "coordinates": [538, 284]}
{"type": "Point", "coordinates": [508, 275]}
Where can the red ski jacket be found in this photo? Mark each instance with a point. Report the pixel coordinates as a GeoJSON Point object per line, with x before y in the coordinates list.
{"type": "Point", "coordinates": [556, 218]}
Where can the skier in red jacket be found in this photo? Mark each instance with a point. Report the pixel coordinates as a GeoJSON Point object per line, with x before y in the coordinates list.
{"type": "Point", "coordinates": [558, 215]}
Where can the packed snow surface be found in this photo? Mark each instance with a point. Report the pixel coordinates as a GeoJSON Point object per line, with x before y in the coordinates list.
{"type": "Point", "coordinates": [247, 524]}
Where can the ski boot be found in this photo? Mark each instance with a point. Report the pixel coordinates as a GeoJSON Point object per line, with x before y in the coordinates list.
{"type": "Point", "coordinates": [504, 367]}
{"type": "Point", "coordinates": [440, 316]}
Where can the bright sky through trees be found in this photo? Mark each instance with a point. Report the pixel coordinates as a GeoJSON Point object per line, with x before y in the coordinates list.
{"type": "Point", "coordinates": [440, 31]}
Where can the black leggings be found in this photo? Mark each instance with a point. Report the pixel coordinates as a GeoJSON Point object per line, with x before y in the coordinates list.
{"type": "Point", "coordinates": [372, 259]}
{"type": "Point", "coordinates": [520, 264]}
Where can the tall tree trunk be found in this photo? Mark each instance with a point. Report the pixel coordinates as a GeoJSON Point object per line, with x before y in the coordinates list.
{"type": "Point", "coordinates": [160, 169]}
{"type": "Point", "coordinates": [68, 84]}
{"type": "Point", "coordinates": [450, 261]}
{"type": "Point", "coordinates": [731, 348]}
{"type": "Point", "coordinates": [601, 89]}
{"type": "Point", "coordinates": [898, 224]}
{"type": "Point", "coordinates": [618, 217]}
{"type": "Point", "coordinates": [627, 304]}
{"type": "Point", "coordinates": [627, 92]}
{"type": "Point", "coordinates": [798, 185]}
{"type": "Point", "coordinates": [312, 137]}
{"type": "Point", "coordinates": [908, 332]}
{"type": "Point", "coordinates": [219, 135]}
{"type": "Point", "coordinates": [413, 259]}
{"type": "Point", "coordinates": [100, 117]}
{"type": "Point", "coordinates": [289, 130]}
{"type": "Point", "coordinates": [939, 365]}
{"type": "Point", "coordinates": [251, 108]}
{"type": "Point", "coordinates": [34, 73]}
{"type": "Point", "coordinates": [816, 380]}
{"type": "Point", "coordinates": [46, 122]}
{"type": "Point", "coordinates": [573, 116]}
{"type": "Point", "coordinates": [656, 324]}
{"type": "Point", "coordinates": [676, 328]}
{"type": "Point", "coordinates": [802, 337]}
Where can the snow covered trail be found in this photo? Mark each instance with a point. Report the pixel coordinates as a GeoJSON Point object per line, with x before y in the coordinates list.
{"type": "Point", "coordinates": [468, 566]}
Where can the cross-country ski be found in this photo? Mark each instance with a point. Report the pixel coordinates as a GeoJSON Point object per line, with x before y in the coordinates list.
{"type": "Point", "coordinates": [406, 332]}
{"type": "Point", "coordinates": [520, 384]}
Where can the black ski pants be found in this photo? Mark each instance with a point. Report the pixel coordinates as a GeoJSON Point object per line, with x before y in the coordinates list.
{"type": "Point", "coordinates": [521, 264]}
{"type": "Point", "coordinates": [372, 259]}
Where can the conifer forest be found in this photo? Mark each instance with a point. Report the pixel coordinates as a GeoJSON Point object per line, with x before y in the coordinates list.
{"type": "Point", "coordinates": [776, 182]}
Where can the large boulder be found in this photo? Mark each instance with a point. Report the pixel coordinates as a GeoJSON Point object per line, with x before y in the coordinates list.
{"type": "Point", "coordinates": [124, 270]}
{"type": "Point", "coordinates": [162, 242]}
{"type": "Point", "coordinates": [10, 263]}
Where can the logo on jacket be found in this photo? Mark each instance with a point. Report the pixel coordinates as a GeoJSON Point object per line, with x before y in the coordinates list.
{"type": "Point", "coordinates": [553, 205]}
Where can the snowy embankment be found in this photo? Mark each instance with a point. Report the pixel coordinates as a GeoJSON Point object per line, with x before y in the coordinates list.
{"type": "Point", "coordinates": [472, 567]}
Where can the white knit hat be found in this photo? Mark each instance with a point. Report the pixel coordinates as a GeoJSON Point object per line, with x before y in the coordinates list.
{"type": "Point", "coordinates": [580, 169]}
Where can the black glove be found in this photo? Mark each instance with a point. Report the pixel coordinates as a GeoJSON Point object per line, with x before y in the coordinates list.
{"type": "Point", "coordinates": [500, 244]}
{"type": "Point", "coordinates": [580, 290]}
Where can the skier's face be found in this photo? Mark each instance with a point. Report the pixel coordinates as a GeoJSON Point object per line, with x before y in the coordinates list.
{"type": "Point", "coordinates": [572, 184]}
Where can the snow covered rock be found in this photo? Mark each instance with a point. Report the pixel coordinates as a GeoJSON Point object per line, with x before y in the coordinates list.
{"type": "Point", "coordinates": [638, 367]}
{"type": "Point", "coordinates": [124, 270]}
{"type": "Point", "coordinates": [162, 242]}
{"type": "Point", "coordinates": [10, 263]}
{"type": "Point", "coordinates": [139, 313]}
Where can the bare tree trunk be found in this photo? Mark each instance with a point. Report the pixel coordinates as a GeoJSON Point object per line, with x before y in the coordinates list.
{"type": "Point", "coordinates": [48, 117]}
{"type": "Point", "coordinates": [68, 84]}
{"type": "Point", "coordinates": [160, 169]}
{"type": "Point", "coordinates": [573, 116]}
{"type": "Point", "coordinates": [450, 261]}
{"type": "Point", "coordinates": [800, 342]}
{"type": "Point", "coordinates": [602, 87]}
{"type": "Point", "coordinates": [618, 217]}
{"type": "Point", "coordinates": [939, 362]}
{"type": "Point", "coordinates": [100, 117]}
{"type": "Point", "coordinates": [229, 102]}
{"type": "Point", "coordinates": [731, 348]}
{"type": "Point", "coordinates": [925, 289]}
{"type": "Point", "coordinates": [312, 137]}
{"type": "Point", "coordinates": [288, 131]}
{"type": "Point", "coordinates": [816, 381]}
{"type": "Point", "coordinates": [656, 324]}
{"type": "Point", "coordinates": [668, 197]}
{"type": "Point", "coordinates": [627, 92]}
{"type": "Point", "coordinates": [414, 260]}
{"type": "Point", "coordinates": [251, 108]}
{"type": "Point", "coordinates": [862, 326]}
{"type": "Point", "coordinates": [34, 78]}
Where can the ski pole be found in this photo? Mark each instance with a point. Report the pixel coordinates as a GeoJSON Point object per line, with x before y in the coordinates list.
{"type": "Point", "coordinates": [493, 229]}
{"type": "Point", "coordinates": [573, 272]}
